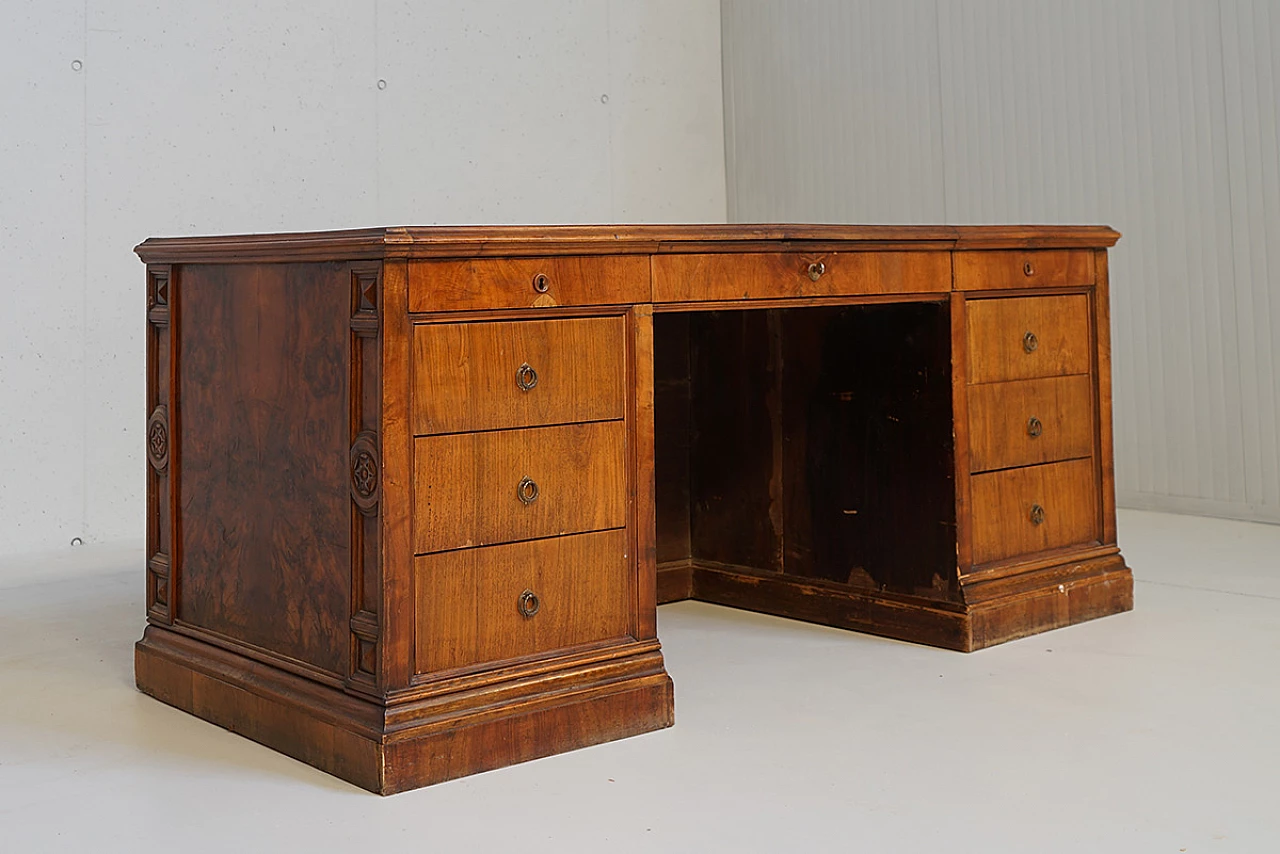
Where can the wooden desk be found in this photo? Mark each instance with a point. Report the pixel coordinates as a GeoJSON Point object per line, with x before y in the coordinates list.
{"type": "Point", "coordinates": [414, 494]}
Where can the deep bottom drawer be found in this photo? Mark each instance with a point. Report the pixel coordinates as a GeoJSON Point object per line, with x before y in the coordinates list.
{"type": "Point", "coordinates": [502, 602]}
{"type": "Point", "coordinates": [1033, 509]}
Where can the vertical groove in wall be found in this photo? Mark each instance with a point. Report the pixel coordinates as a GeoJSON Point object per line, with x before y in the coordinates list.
{"type": "Point", "coordinates": [1158, 117]}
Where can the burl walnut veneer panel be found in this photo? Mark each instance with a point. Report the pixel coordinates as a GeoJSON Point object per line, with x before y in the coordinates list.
{"type": "Point", "coordinates": [264, 489]}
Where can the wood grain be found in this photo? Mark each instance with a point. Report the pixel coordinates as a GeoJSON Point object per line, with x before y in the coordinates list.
{"type": "Point", "coordinates": [1003, 502]}
{"type": "Point", "coordinates": [510, 282]}
{"type": "Point", "coordinates": [1000, 429]}
{"type": "Point", "coordinates": [776, 275]}
{"type": "Point", "coordinates": [265, 489]}
{"type": "Point", "coordinates": [466, 601]}
{"type": "Point", "coordinates": [997, 328]}
{"type": "Point", "coordinates": [542, 240]}
{"type": "Point", "coordinates": [465, 484]}
{"type": "Point", "coordinates": [985, 271]}
{"type": "Point", "coordinates": [465, 374]}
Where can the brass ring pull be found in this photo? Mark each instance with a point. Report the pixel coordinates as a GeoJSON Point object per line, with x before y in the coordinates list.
{"type": "Point", "coordinates": [1037, 514]}
{"type": "Point", "coordinates": [527, 491]}
{"type": "Point", "coordinates": [1030, 342]}
{"type": "Point", "coordinates": [526, 377]}
{"type": "Point", "coordinates": [541, 283]}
{"type": "Point", "coordinates": [816, 269]}
{"type": "Point", "coordinates": [1034, 427]}
{"type": "Point", "coordinates": [1028, 269]}
{"type": "Point", "coordinates": [528, 604]}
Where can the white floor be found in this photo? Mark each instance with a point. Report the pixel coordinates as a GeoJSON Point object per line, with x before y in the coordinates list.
{"type": "Point", "coordinates": [1155, 731]}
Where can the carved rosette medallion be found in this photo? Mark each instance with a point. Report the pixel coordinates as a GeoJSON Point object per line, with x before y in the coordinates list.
{"type": "Point", "coordinates": [158, 438]}
{"type": "Point", "coordinates": [365, 472]}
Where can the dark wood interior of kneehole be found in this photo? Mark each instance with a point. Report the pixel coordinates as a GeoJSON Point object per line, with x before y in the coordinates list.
{"type": "Point", "coordinates": [814, 444]}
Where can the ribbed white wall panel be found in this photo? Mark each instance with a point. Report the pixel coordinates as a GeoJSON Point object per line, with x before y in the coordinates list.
{"type": "Point", "coordinates": [1158, 117]}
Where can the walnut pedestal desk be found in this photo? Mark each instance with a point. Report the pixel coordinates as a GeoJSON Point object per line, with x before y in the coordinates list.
{"type": "Point", "coordinates": [414, 494]}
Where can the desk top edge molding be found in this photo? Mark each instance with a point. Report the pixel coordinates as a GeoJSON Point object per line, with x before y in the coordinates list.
{"type": "Point", "coordinates": [482, 241]}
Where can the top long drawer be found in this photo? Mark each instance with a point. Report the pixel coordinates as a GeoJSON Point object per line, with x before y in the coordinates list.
{"type": "Point", "coordinates": [779, 275]}
{"type": "Point", "coordinates": [486, 283]}
{"type": "Point", "coordinates": [503, 374]}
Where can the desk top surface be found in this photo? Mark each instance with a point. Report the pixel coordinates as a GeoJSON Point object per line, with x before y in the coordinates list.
{"type": "Point", "coordinates": [473, 241]}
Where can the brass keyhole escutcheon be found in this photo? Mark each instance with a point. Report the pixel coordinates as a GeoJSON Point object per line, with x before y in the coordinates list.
{"type": "Point", "coordinates": [1028, 269]}
{"type": "Point", "coordinates": [526, 377]}
{"type": "Point", "coordinates": [1030, 342]}
{"type": "Point", "coordinates": [527, 491]}
{"type": "Point", "coordinates": [1034, 427]}
{"type": "Point", "coordinates": [528, 604]}
{"type": "Point", "coordinates": [1037, 514]}
{"type": "Point", "coordinates": [816, 269]}
{"type": "Point", "coordinates": [541, 283]}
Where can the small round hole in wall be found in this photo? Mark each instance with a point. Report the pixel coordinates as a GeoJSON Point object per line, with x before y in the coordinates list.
{"type": "Point", "coordinates": [604, 99]}
{"type": "Point", "coordinates": [76, 541]}
{"type": "Point", "coordinates": [76, 65]}
{"type": "Point", "coordinates": [382, 84]}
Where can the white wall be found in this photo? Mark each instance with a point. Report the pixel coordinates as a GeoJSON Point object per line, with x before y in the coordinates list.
{"type": "Point", "coordinates": [190, 118]}
{"type": "Point", "coordinates": [1158, 117]}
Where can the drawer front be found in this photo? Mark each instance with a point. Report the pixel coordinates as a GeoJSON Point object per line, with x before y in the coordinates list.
{"type": "Point", "coordinates": [474, 489]}
{"type": "Point", "coordinates": [1026, 510]}
{"type": "Point", "coordinates": [493, 376]}
{"type": "Point", "coordinates": [1030, 421]}
{"type": "Point", "coordinates": [1027, 337]}
{"type": "Point", "coordinates": [700, 278]}
{"type": "Point", "coordinates": [485, 283]}
{"type": "Point", "coordinates": [1037, 268]}
{"type": "Point", "coordinates": [502, 602]}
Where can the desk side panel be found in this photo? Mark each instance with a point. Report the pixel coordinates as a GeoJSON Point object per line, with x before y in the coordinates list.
{"type": "Point", "coordinates": [265, 535]}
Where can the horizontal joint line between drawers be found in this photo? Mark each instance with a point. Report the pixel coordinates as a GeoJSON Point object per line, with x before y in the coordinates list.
{"type": "Point", "coordinates": [524, 540]}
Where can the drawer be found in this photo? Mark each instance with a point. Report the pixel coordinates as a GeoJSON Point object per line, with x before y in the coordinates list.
{"type": "Point", "coordinates": [502, 602]}
{"type": "Point", "coordinates": [1033, 509]}
{"type": "Point", "coordinates": [699, 278]}
{"type": "Point", "coordinates": [486, 283]}
{"type": "Point", "coordinates": [1036, 268]}
{"type": "Point", "coordinates": [1030, 421]}
{"type": "Point", "coordinates": [473, 489]}
{"type": "Point", "coordinates": [1027, 337]}
{"type": "Point", "coordinates": [492, 376]}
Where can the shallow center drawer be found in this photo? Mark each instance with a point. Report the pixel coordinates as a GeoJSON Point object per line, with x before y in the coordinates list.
{"type": "Point", "coordinates": [495, 375]}
{"type": "Point", "coordinates": [1030, 421]}
{"type": "Point", "coordinates": [1026, 337]}
{"type": "Point", "coordinates": [776, 275]}
{"type": "Point", "coordinates": [1025, 510]}
{"type": "Point", "coordinates": [472, 489]}
{"type": "Point", "coordinates": [503, 602]}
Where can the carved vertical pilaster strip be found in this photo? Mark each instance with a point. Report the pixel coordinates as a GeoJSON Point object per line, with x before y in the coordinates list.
{"type": "Point", "coordinates": [366, 474]}
{"type": "Point", "coordinates": [158, 438]}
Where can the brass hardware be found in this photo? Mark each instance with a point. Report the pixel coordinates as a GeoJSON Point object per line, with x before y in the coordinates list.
{"type": "Point", "coordinates": [1030, 342]}
{"type": "Point", "coordinates": [1028, 269]}
{"type": "Point", "coordinates": [526, 377]}
{"type": "Point", "coordinates": [527, 491]}
{"type": "Point", "coordinates": [528, 604]}
{"type": "Point", "coordinates": [1034, 427]}
{"type": "Point", "coordinates": [541, 283]}
{"type": "Point", "coordinates": [816, 269]}
{"type": "Point", "coordinates": [1037, 514]}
